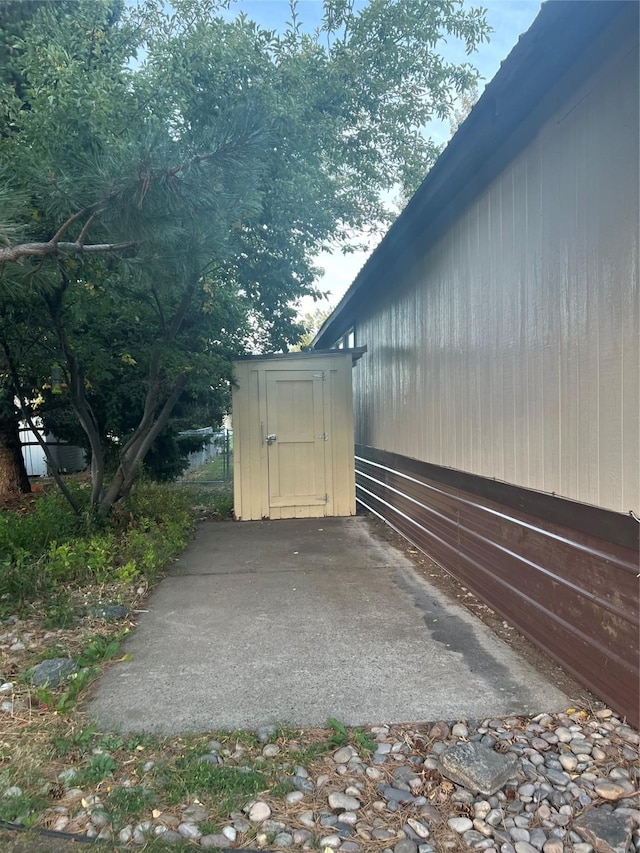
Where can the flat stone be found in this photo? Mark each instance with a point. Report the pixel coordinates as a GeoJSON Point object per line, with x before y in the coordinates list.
{"type": "Point", "coordinates": [396, 795]}
{"type": "Point", "coordinates": [537, 838]}
{"type": "Point", "coordinates": [406, 845]}
{"type": "Point", "coordinates": [557, 777]}
{"type": "Point", "coordinates": [419, 828]}
{"type": "Point", "coordinates": [525, 847]}
{"type": "Point", "coordinates": [607, 831]}
{"type": "Point", "coordinates": [472, 837]}
{"type": "Point", "coordinates": [259, 811]}
{"type": "Point", "coordinates": [439, 731]}
{"type": "Point", "coordinates": [343, 802]}
{"type": "Point", "coordinates": [216, 840]}
{"type": "Point", "coordinates": [519, 834]}
{"type": "Point", "coordinates": [568, 762]}
{"type": "Point", "coordinates": [302, 784]}
{"type": "Point", "coordinates": [195, 813]}
{"type": "Point", "coordinates": [580, 747]}
{"type": "Point", "coordinates": [332, 841]}
{"type": "Point", "coordinates": [460, 824]}
{"type": "Point", "coordinates": [271, 750]}
{"type": "Point", "coordinates": [306, 818]}
{"type": "Point", "coordinates": [294, 797]}
{"type": "Point", "coordinates": [344, 754]}
{"type": "Point", "coordinates": [342, 829]}
{"type": "Point", "coordinates": [459, 730]}
{"type": "Point", "coordinates": [283, 839]}
{"type": "Point", "coordinates": [13, 791]}
{"type": "Point", "coordinates": [609, 790]}
{"type": "Point", "coordinates": [273, 826]}
{"type": "Point", "coordinates": [300, 836]}
{"type": "Point", "coordinates": [553, 845]}
{"type": "Point", "coordinates": [189, 831]}
{"type": "Point", "coordinates": [100, 818]}
{"type": "Point", "coordinates": [383, 834]}
{"type": "Point", "coordinates": [476, 767]}
{"type": "Point", "coordinates": [170, 837]}
{"type": "Point", "coordinates": [431, 813]}
{"type": "Point", "coordinates": [405, 775]}
{"type": "Point", "coordinates": [52, 672]}
{"type": "Point", "coordinates": [6, 689]}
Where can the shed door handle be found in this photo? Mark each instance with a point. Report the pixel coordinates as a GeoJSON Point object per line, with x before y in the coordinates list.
{"type": "Point", "coordinates": [272, 438]}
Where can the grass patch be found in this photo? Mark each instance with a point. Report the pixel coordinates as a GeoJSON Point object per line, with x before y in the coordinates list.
{"type": "Point", "coordinates": [127, 805]}
{"type": "Point", "coordinates": [228, 787]}
{"type": "Point", "coordinates": [23, 808]}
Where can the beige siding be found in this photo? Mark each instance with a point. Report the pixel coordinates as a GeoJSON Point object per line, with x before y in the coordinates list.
{"type": "Point", "coordinates": [512, 349]}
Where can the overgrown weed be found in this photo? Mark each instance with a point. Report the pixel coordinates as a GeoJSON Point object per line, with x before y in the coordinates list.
{"type": "Point", "coordinates": [46, 553]}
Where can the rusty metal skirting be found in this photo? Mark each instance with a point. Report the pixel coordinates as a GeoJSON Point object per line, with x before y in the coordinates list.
{"type": "Point", "coordinates": [565, 577]}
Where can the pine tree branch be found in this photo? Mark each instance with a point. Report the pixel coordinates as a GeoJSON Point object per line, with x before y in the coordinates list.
{"type": "Point", "coordinates": [56, 246]}
{"type": "Point", "coordinates": [39, 250]}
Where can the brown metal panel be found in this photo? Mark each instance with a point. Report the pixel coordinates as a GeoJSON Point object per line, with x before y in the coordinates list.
{"type": "Point", "coordinates": [573, 593]}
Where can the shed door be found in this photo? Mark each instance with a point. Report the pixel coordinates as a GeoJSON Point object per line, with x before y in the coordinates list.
{"type": "Point", "coordinates": [296, 442]}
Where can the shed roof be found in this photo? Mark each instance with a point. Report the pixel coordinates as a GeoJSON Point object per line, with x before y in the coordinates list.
{"type": "Point", "coordinates": [559, 38]}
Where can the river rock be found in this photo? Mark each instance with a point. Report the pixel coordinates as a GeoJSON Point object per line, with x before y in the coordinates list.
{"type": "Point", "coordinates": [609, 790]}
{"type": "Point", "coordinates": [259, 812]}
{"type": "Point", "coordinates": [343, 802]}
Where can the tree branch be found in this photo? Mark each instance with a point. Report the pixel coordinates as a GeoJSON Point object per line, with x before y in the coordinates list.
{"type": "Point", "coordinates": [38, 250]}
{"type": "Point", "coordinates": [70, 221]}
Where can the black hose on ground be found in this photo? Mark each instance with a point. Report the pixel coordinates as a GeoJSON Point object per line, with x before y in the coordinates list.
{"type": "Point", "coordinates": [69, 836]}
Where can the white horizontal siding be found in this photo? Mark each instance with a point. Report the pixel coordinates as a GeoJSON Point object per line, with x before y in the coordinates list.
{"type": "Point", "coordinates": [512, 350]}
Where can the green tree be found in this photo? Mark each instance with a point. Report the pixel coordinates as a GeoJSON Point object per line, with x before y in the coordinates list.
{"type": "Point", "coordinates": [165, 217]}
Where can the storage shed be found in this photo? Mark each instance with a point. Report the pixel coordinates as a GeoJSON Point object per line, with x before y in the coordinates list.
{"type": "Point", "coordinates": [497, 410]}
{"type": "Point", "coordinates": [293, 435]}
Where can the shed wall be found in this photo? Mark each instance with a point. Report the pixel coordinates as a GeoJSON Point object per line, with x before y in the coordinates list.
{"type": "Point", "coordinates": [251, 424]}
{"type": "Point", "coordinates": [510, 349]}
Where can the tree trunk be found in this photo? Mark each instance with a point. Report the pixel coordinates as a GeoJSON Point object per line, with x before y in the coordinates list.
{"type": "Point", "coordinates": [13, 473]}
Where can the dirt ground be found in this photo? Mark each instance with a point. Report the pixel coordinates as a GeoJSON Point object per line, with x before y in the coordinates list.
{"type": "Point", "coordinates": [580, 696]}
{"type": "Point", "coordinates": [30, 842]}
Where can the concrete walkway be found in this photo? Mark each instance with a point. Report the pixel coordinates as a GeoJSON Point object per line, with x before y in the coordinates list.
{"type": "Point", "coordinates": [295, 621]}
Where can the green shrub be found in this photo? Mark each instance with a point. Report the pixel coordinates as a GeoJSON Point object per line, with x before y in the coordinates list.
{"type": "Point", "coordinates": [50, 547]}
{"type": "Point", "coordinates": [52, 519]}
